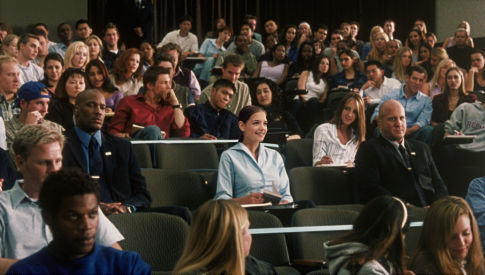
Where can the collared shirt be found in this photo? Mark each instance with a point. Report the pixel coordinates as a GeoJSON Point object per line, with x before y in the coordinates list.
{"type": "Point", "coordinates": [476, 198]}
{"type": "Point", "coordinates": [3, 139]}
{"type": "Point", "coordinates": [418, 108]}
{"type": "Point", "coordinates": [327, 143]}
{"type": "Point", "coordinates": [7, 109]}
{"type": "Point", "coordinates": [186, 77]}
{"type": "Point", "coordinates": [23, 231]}
{"type": "Point", "coordinates": [204, 119]}
{"type": "Point", "coordinates": [59, 48]}
{"type": "Point", "coordinates": [188, 43]}
{"type": "Point", "coordinates": [209, 48]}
{"type": "Point", "coordinates": [396, 145]}
{"type": "Point", "coordinates": [241, 97]}
{"type": "Point", "coordinates": [31, 72]}
{"type": "Point", "coordinates": [375, 94]}
{"type": "Point", "coordinates": [240, 174]}
{"type": "Point", "coordinates": [85, 139]}
{"type": "Point", "coordinates": [133, 110]}
{"type": "Point", "coordinates": [250, 62]}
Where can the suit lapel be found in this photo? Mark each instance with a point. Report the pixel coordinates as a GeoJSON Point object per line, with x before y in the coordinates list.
{"type": "Point", "coordinates": [75, 147]}
{"type": "Point", "coordinates": [395, 153]}
{"type": "Point", "coordinates": [107, 152]}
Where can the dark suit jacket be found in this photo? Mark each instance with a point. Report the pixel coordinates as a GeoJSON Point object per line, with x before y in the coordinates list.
{"type": "Point", "coordinates": [121, 170]}
{"type": "Point", "coordinates": [380, 170]}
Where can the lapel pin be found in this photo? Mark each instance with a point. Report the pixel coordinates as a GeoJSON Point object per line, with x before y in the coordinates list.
{"type": "Point", "coordinates": [95, 177]}
{"type": "Point", "coordinates": [107, 153]}
{"type": "Point", "coordinates": [412, 153]}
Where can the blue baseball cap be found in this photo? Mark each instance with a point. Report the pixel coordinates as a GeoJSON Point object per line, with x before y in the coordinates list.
{"type": "Point", "coordinates": [31, 90]}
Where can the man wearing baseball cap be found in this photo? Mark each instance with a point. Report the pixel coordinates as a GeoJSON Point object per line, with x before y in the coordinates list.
{"type": "Point", "coordinates": [33, 100]}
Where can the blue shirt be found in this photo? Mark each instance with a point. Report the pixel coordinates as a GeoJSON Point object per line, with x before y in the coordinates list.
{"type": "Point", "coordinates": [240, 174]}
{"type": "Point", "coordinates": [59, 48]}
{"type": "Point", "coordinates": [23, 231]}
{"type": "Point", "coordinates": [418, 108]}
{"type": "Point", "coordinates": [85, 139]}
{"type": "Point", "coordinates": [476, 198]}
{"type": "Point", "coordinates": [356, 83]}
{"type": "Point", "coordinates": [204, 119]}
{"type": "Point", "coordinates": [209, 48]}
{"type": "Point", "coordinates": [102, 260]}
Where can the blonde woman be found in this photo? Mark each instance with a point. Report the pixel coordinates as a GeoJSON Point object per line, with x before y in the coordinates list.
{"type": "Point", "coordinates": [368, 45]}
{"type": "Point", "coordinates": [9, 45]}
{"type": "Point", "coordinates": [378, 47]}
{"type": "Point", "coordinates": [449, 241]}
{"type": "Point", "coordinates": [437, 54]}
{"type": "Point", "coordinates": [450, 41]}
{"type": "Point", "coordinates": [402, 61]}
{"type": "Point", "coordinates": [95, 46]}
{"type": "Point", "coordinates": [77, 55]}
{"type": "Point", "coordinates": [435, 86]}
{"type": "Point", "coordinates": [219, 241]}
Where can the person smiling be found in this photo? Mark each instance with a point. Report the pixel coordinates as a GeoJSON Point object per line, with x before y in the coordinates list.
{"type": "Point", "coordinates": [449, 242]}
{"type": "Point", "coordinates": [248, 168]}
{"type": "Point", "coordinates": [337, 141]}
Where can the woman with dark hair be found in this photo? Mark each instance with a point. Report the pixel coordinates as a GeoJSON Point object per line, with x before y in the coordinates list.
{"type": "Point", "coordinates": [449, 241]}
{"type": "Point", "coordinates": [376, 243]}
{"type": "Point", "coordinates": [414, 40]}
{"type": "Point", "coordinates": [290, 41]}
{"type": "Point", "coordinates": [276, 69]}
{"type": "Point", "coordinates": [475, 79]}
{"type": "Point", "coordinates": [126, 73]}
{"type": "Point", "coordinates": [53, 68]}
{"type": "Point", "coordinates": [350, 77]}
{"type": "Point", "coordinates": [147, 50]}
{"type": "Point", "coordinates": [72, 82]}
{"type": "Point", "coordinates": [304, 62]}
{"type": "Point", "coordinates": [248, 168]}
{"type": "Point", "coordinates": [219, 24]}
{"type": "Point", "coordinates": [424, 59]}
{"type": "Point", "coordinates": [98, 78]}
{"type": "Point", "coordinates": [337, 141]}
{"type": "Point", "coordinates": [268, 97]}
{"type": "Point", "coordinates": [452, 96]}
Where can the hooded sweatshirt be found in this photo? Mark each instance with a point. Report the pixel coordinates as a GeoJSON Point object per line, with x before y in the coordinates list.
{"type": "Point", "coordinates": [469, 118]}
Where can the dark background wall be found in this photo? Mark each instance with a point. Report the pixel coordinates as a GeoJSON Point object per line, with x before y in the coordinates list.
{"type": "Point", "coordinates": [331, 13]}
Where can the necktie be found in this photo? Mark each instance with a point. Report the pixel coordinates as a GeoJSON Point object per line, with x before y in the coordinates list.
{"type": "Point", "coordinates": [418, 188]}
{"type": "Point", "coordinates": [96, 169]}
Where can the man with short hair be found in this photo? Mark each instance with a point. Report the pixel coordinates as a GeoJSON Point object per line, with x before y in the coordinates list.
{"type": "Point", "coordinates": [64, 31]}
{"type": "Point", "coordinates": [377, 84]}
{"type": "Point", "coordinates": [71, 213]}
{"type": "Point", "coordinates": [110, 52]}
{"type": "Point", "coordinates": [107, 158]}
{"type": "Point", "coordinates": [83, 30]}
{"type": "Point", "coordinates": [43, 26]}
{"type": "Point", "coordinates": [182, 37]}
{"type": "Point", "coordinates": [242, 49]}
{"type": "Point", "coordinates": [460, 52]}
{"type": "Point", "coordinates": [255, 47]}
{"type": "Point", "coordinates": [156, 110]}
{"type": "Point", "coordinates": [252, 20]}
{"type": "Point", "coordinates": [28, 46]}
{"type": "Point", "coordinates": [43, 47]}
{"type": "Point", "coordinates": [9, 84]}
{"type": "Point", "coordinates": [270, 27]}
{"type": "Point", "coordinates": [231, 70]}
{"type": "Point", "coordinates": [211, 120]}
{"type": "Point", "coordinates": [320, 33]}
{"type": "Point", "coordinates": [38, 153]}
{"type": "Point", "coordinates": [393, 165]}
{"type": "Point", "coordinates": [352, 41]}
{"type": "Point", "coordinates": [418, 106]}
{"type": "Point", "coordinates": [389, 28]}
{"type": "Point", "coordinates": [182, 92]}
{"type": "Point", "coordinates": [33, 99]}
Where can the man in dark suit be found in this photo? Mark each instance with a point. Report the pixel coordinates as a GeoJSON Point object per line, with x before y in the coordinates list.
{"type": "Point", "coordinates": [105, 157]}
{"type": "Point", "coordinates": [391, 165]}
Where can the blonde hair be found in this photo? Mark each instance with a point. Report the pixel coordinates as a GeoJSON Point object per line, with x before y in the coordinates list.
{"type": "Point", "coordinates": [374, 53]}
{"type": "Point", "coordinates": [439, 52]}
{"type": "Point", "coordinates": [6, 59]}
{"type": "Point", "coordinates": [9, 39]}
{"type": "Point", "coordinates": [397, 67]}
{"type": "Point", "coordinates": [30, 136]}
{"type": "Point", "coordinates": [374, 30]}
{"type": "Point", "coordinates": [98, 40]}
{"type": "Point", "coordinates": [215, 243]}
{"type": "Point", "coordinates": [71, 51]}
{"type": "Point", "coordinates": [438, 228]}
{"type": "Point", "coordinates": [436, 75]}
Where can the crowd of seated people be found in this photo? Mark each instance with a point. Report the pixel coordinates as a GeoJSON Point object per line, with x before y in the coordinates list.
{"type": "Point", "coordinates": [414, 111]}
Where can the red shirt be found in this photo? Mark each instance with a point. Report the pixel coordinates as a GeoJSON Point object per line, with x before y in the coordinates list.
{"type": "Point", "coordinates": [133, 110]}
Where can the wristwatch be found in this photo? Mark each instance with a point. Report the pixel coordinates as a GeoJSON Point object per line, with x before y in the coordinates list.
{"type": "Point", "coordinates": [177, 106]}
